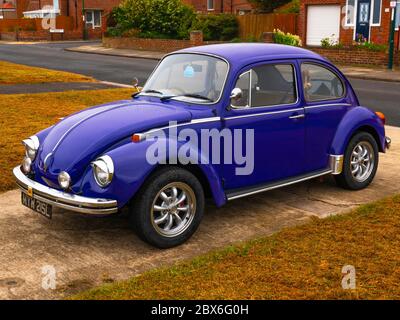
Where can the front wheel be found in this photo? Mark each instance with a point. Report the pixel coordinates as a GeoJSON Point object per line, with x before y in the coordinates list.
{"type": "Point", "coordinates": [360, 162]}
{"type": "Point", "coordinates": [169, 208]}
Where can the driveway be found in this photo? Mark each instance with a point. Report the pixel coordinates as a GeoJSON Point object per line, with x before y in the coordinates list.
{"type": "Point", "coordinates": [87, 251]}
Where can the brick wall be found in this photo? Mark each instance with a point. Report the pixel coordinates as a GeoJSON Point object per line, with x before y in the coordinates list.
{"type": "Point", "coordinates": [161, 45]}
{"type": "Point", "coordinates": [356, 56]}
{"type": "Point", "coordinates": [45, 35]}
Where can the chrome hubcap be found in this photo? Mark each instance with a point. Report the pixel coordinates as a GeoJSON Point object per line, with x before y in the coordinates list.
{"type": "Point", "coordinates": [173, 209]}
{"type": "Point", "coordinates": [362, 161]}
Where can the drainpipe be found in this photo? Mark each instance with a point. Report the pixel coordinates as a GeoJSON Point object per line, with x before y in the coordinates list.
{"type": "Point", "coordinates": [85, 31]}
{"type": "Point", "coordinates": [391, 38]}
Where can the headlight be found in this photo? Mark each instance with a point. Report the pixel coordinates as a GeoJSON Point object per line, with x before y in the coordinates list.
{"type": "Point", "coordinates": [31, 147]}
{"type": "Point", "coordinates": [103, 171]}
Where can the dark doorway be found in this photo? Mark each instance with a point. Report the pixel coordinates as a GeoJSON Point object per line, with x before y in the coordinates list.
{"type": "Point", "coordinates": [363, 20]}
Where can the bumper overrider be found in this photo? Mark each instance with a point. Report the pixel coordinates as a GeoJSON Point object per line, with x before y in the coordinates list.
{"type": "Point", "coordinates": [56, 198]}
{"type": "Point", "coordinates": [388, 143]}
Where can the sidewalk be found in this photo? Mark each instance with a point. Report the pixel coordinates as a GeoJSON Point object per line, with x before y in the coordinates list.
{"type": "Point", "coordinates": [358, 72]}
{"type": "Point", "coordinates": [99, 49]}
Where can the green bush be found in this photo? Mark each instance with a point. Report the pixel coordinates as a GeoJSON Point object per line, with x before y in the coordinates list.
{"type": "Point", "coordinates": [221, 27]}
{"type": "Point", "coordinates": [164, 18]}
{"type": "Point", "coordinates": [293, 7]}
{"type": "Point", "coordinates": [268, 6]}
{"type": "Point", "coordinates": [286, 38]}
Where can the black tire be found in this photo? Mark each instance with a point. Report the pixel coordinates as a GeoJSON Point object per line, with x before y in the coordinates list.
{"type": "Point", "coordinates": [346, 179]}
{"type": "Point", "coordinates": [143, 218]}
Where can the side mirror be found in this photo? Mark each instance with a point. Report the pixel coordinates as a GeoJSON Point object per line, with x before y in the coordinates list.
{"type": "Point", "coordinates": [236, 94]}
{"type": "Point", "coordinates": [135, 83]}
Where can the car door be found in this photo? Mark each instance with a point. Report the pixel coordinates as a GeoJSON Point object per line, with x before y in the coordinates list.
{"type": "Point", "coordinates": [325, 104]}
{"type": "Point", "coordinates": [270, 106]}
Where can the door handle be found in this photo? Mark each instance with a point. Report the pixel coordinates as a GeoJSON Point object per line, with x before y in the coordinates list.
{"type": "Point", "coordinates": [298, 116]}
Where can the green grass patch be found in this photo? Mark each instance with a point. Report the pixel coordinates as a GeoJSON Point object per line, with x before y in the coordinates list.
{"type": "Point", "coordinates": [303, 262]}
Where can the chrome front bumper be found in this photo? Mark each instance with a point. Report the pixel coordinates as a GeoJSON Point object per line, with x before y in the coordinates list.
{"type": "Point", "coordinates": [64, 200]}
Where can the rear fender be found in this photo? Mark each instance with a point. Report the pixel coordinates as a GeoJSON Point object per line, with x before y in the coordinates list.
{"type": "Point", "coordinates": [356, 119]}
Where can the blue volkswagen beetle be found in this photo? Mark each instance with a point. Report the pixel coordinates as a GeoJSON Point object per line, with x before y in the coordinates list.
{"type": "Point", "coordinates": [225, 121]}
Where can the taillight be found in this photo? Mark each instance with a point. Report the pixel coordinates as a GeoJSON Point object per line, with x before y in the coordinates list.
{"type": "Point", "coordinates": [381, 116]}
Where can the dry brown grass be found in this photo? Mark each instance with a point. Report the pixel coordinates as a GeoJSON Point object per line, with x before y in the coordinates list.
{"type": "Point", "coordinates": [12, 73]}
{"type": "Point", "coordinates": [23, 115]}
{"type": "Point", "coordinates": [304, 262]}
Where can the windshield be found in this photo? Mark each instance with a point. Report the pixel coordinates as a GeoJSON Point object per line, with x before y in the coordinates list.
{"type": "Point", "coordinates": [188, 77]}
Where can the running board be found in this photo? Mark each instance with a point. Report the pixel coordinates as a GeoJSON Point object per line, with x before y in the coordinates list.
{"type": "Point", "coordinates": [244, 192]}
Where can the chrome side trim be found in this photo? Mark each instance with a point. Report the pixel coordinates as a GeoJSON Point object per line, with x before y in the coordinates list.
{"type": "Point", "coordinates": [263, 114]}
{"type": "Point", "coordinates": [279, 185]}
{"type": "Point", "coordinates": [328, 105]}
{"type": "Point", "coordinates": [336, 163]}
{"type": "Point", "coordinates": [93, 206]}
{"type": "Point", "coordinates": [195, 121]}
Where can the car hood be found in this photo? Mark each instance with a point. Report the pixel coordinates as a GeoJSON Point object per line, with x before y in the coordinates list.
{"type": "Point", "coordinates": [78, 139]}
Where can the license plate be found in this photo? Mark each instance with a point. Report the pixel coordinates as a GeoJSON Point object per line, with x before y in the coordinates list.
{"type": "Point", "coordinates": [38, 206]}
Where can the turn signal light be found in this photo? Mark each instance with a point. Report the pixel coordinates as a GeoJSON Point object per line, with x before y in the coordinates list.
{"type": "Point", "coordinates": [137, 138]}
{"type": "Point", "coordinates": [381, 116]}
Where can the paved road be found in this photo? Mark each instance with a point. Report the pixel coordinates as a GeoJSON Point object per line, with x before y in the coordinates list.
{"type": "Point", "coordinates": [53, 56]}
{"type": "Point", "coordinates": [378, 95]}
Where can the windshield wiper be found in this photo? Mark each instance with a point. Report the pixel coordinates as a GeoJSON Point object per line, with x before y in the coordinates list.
{"type": "Point", "coordinates": [152, 91]}
{"type": "Point", "coordinates": [189, 95]}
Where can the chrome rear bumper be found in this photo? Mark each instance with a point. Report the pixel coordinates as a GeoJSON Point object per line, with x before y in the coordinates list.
{"type": "Point", "coordinates": [64, 200]}
{"type": "Point", "coordinates": [388, 142]}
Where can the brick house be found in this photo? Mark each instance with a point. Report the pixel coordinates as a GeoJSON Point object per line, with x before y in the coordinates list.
{"type": "Point", "coordinates": [346, 20]}
{"type": "Point", "coordinates": [221, 6]}
{"type": "Point", "coordinates": [95, 10]}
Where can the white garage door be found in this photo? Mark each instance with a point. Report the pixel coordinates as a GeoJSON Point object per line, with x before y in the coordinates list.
{"type": "Point", "coordinates": [322, 22]}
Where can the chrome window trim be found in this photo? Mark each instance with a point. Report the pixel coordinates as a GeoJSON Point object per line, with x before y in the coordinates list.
{"type": "Point", "coordinates": [198, 53]}
{"type": "Point", "coordinates": [249, 100]}
{"type": "Point", "coordinates": [274, 105]}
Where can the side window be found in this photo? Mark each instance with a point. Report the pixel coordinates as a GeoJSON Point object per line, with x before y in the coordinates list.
{"type": "Point", "coordinates": [243, 83]}
{"type": "Point", "coordinates": [273, 84]}
{"type": "Point", "coordinates": [319, 83]}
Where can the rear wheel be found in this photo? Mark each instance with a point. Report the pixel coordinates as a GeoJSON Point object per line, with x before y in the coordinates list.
{"type": "Point", "coordinates": [169, 208]}
{"type": "Point", "coordinates": [360, 162]}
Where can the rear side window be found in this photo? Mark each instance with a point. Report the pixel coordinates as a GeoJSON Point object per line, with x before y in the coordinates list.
{"type": "Point", "coordinates": [320, 83]}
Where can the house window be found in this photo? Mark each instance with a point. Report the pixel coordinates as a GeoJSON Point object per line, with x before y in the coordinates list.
{"type": "Point", "coordinates": [376, 12]}
{"type": "Point", "coordinates": [398, 15]}
{"type": "Point", "coordinates": [350, 12]}
{"type": "Point", "coordinates": [93, 18]}
{"type": "Point", "coordinates": [210, 5]}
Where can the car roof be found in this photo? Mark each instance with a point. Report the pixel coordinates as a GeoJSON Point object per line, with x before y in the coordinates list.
{"type": "Point", "coordinates": [241, 53]}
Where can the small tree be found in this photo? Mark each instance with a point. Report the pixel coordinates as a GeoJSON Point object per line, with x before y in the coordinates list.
{"type": "Point", "coordinates": [268, 6]}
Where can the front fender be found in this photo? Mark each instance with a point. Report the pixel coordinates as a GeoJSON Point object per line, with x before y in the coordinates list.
{"type": "Point", "coordinates": [132, 169]}
{"type": "Point", "coordinates": [355, 119]}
